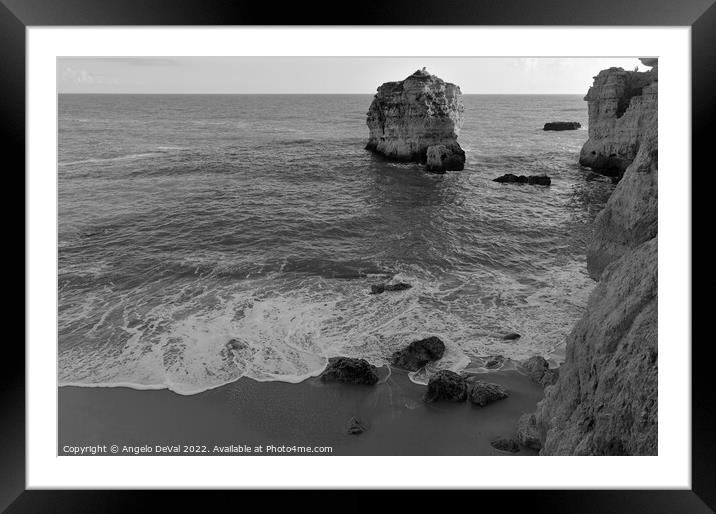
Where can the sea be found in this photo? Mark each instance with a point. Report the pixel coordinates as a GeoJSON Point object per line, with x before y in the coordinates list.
{"type": "Point", "coordinates": [186, 222]}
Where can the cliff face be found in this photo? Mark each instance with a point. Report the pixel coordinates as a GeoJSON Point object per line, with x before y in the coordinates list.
{"type": "Point", "coordinates": [622, 104]}
{"type": "Point", "coordinates": [407, 118]}
{"type": "Point", "coordinates": [605, 400]}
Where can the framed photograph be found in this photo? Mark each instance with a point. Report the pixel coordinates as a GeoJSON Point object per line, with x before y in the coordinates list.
{"type": "Point", "coordinates": [266, 250]}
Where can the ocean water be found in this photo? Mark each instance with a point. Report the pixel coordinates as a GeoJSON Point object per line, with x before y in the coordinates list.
{"type": "Point", "coordinates": [186, 221]}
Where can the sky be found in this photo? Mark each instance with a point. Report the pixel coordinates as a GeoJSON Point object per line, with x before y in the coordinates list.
{"type": "Point", "coordinates": [324, 75]}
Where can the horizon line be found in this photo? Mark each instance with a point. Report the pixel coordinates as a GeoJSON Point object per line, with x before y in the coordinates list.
{"type": "Point", "coordinates": [297, 94]}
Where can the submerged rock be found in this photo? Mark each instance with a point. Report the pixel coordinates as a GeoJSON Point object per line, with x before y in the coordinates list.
{"type": "Point", "coordinates": [511, 336]}
{"type": "Point", "coordinates": [505, 444]}
{"type": "Point", "coordinates": [406, 118]}
{"type": "Point", "coordinates": [349, 371]}
{"type": "Point", "coordinates": [527, 432]}
{"type": "Point", "coordinates": [540, 180]}
{"type": "Point", "coordinates": [380, 288]}
{"type": "Point", "coordinates": [621, 105]}
{"type": "Point", "coordinates": [355, 427]}
{"type": "Point", "coordinates": [481, 393]}
{"type": "Point", "coordinates": [562, 125]}
{"type": "Point", "coordinates": [537, 369]}
{"type": "Point", "coordinates": [418, 353]}
{"type": "Point", "coordinates": [446, 385]}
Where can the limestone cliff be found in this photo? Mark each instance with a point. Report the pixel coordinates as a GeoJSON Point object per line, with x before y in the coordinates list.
{"type": "Point", "coordinates": [407, 118]}
{"type": "Point", "coordinates": [621, 105]}
{"type": "Point", "coordinates": [605, 401]}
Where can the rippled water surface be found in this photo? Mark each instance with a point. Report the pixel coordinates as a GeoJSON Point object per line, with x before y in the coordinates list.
{"type": "Point", "coordinates": [188, 221]}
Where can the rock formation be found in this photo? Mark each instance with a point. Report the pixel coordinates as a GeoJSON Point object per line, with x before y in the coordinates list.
{"type": "Point", "coordinates": [631, 213]}
{"type": "Point", "coordinates": [604, 401]}
{"type": "Point", "coordinates": [621, 105]}
{"type": "Point", "coordinates": [418, 120]}
{"type": "Point", "coordinates": [562, 125]}
{"type": "Point", "coordinates": [481, 393]}
{"type": "Point", "coordinates": [349, 371]}
{"type": "Point", "coordinates": [446, 385]}
{"type": "Point", "coordinates": [418, 353]}
{"type": "Point", "coordinates": [511, 178]}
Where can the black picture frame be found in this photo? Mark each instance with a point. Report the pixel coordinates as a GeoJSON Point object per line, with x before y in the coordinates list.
{"type": "Point", "coordinates": [700, 15]}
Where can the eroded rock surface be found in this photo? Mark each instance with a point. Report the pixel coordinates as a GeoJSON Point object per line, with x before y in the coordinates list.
{"type": "Point", "coordinates": [407, 118]}
{"type": "Point", "coordinates": [630, 216]}
{"type": "Point", "coordinates": [621, 105]}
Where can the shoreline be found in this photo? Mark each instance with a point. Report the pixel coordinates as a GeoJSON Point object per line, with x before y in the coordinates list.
{"type": "Point", "coordinates": [307, 414]}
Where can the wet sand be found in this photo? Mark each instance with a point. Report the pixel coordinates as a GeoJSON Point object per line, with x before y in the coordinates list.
{"type": "Point", "coordinates": [311, 413]}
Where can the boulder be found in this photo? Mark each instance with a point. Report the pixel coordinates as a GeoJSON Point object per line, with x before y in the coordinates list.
{"type": "Point", "coordinates": [527, 432]}
{"type": "Point", "coordinates": [481, 393]}
{"type": "Point", "coordinates": [349, 371]}
{"type": "Point", "coordinates": [510, 178]}
{"type": "Point", "coordinates": [505, 444]}
{"type": "Point", "coordinates": [562, 125]}
{"type": "Point", "coordinates": [408, 117]}
{"type": "Point", "coordinates": [380, 288]}
{"type": "Point", "coordinates": [446, 385]}
{"type": "Point", "coordinates": [441, 158]}
{"type": "Point", "coordinates": [418, 353]}
{"type": "Point", "coordinates": [537, 369]}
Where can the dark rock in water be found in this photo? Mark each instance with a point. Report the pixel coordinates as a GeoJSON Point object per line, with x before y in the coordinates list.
{"type": "Point", "coordinates": [528, 433]}
{"type": "Point", "coordinates": [418, 353]}
{"type": "Point", "coordinates": [505, 444]}
{"type": "Point", "coordinates": [349, 371]}
{"type": "Point", "coordinates": [511, 336]}
{"type": "Point", "coordinates": [481, 393]}
{"type": "Point", "coordinates": [355, 427]}
{"type": "Point", "coordinates": [495, 362]}
{"type": "Point", "coordinates": [380, 288]}
{"type": "Point", "coordinates": [510, 178]}
{"type": "Point", "coordinates": [442, 158]}
{"type": "Point", "coordinates": [446, 385]}
{"type": "Point", "coordinates": [562, 125]}
{"type": "Point", "coordinates": [537, 368]}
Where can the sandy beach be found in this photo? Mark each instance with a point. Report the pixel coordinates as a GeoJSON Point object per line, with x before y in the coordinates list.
{"type": "Point", "coordinates": [310, 413]}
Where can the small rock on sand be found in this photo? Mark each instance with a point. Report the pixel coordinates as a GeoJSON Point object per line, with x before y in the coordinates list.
{"type": "Point", "coordinates": [355, 427]}
{"type": "Point", "coordinates": [418, 353]}
{"type": "Point", "coordinates": [481, 393]}
{"type": "Point", "coordinates": [349, 371]}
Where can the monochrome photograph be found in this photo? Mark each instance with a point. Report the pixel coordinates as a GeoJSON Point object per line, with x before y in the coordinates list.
{"type": "Point", "coordinates": [357, 256]}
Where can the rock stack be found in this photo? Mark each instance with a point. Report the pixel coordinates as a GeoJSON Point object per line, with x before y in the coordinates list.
{"type": "Point", "coordinates": [418, 120]}
{"type": "Point", "coordinates": [622, 104]}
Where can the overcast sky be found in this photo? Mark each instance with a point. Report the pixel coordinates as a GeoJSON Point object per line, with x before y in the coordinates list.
{"type": "Point", "coordinates": [496, 75]}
